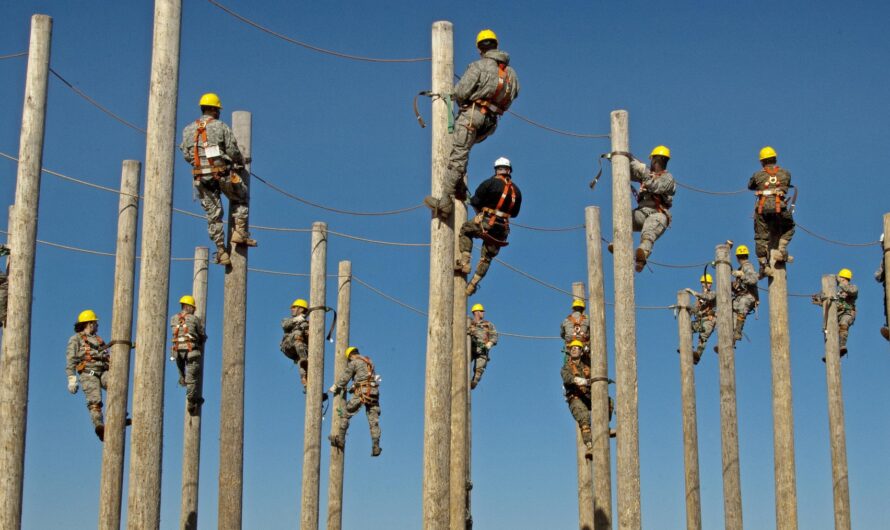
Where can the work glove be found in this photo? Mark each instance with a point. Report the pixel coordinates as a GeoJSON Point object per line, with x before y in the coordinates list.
{"type": "Point", "coordinates": [334, 390]}
{"type": "Point", "coordinates": [580, 381]}
{"type": "Point", "coordinates": [489, 345]}
{"type": "Point", "coordinates": [72, 384]}
{"type": "Point", "coordinates": [690, 291]}
{"type": "Point", "coordinates": [738, 274]}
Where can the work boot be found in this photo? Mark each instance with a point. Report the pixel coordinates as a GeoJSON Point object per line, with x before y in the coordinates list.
{"type": "Point", "coordinates": [221, 256]}
{"type": "Point", "coordinates": [589, 453]}
{"type": "Point", "coordinates": [181, 380]}
{"type": "Point", "coordinates": [765, 270]}
{"type": "Point", "coordinates": [640, 259]}
{"type": "Point", "coordinates": [611, 248]}
{"type": "Point", "coordinates": [193, 406]}
{"type": "Point", "coordinates": [473, 285]}
{"type": "Point", "coordinates": [613, 433]}
{"type": "Point", "coordinates": [476, 377]}
{"type": "Point", "coordinates": [376, 449]}
{"type": "Point", "coordinates": [336, 440]}
{"type": "Point", "coordinates": [100, 432]}
{"type": "Point", "coordinates": [463, 263]}
{"type": "Point", "coordinates": [441, 207]}
{"type": "Point", "coordinates": [885, 332]}
{"type": "Point", "coordinates": [240, 235]}
{"type": "Point", "coordinates": [324, 397]}
{"type": "Point", "coordinates": [696, 355]}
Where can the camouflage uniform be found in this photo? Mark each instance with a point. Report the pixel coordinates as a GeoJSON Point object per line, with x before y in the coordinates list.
{"type": "Point", "coordinates": [475, 123]}
{"type": "Point", "coordinates": [188, 346]}
{"type": "Point", "coordinates": [576, 326]}
{"type": "Point", "coordinates": [483, 337]}
{"type": "Point", "coordinates": [656, 196]}
{"type": "Point", "coordinates": [365, 391]}
{"type": "Point", "coordinates": [578, 395]}
{"type": "Point", "coordinates": [744, 296]}
{"type": "Point", "coordinates": [84, 358]}
{"type": "Point", "coordinates": [295, 343]}
{"type": "Point", "coordinates": [228, 180]}
{"type": "Point", "coordinates": [846, 311]}
{"type": "Point", "coordinates": [773, 222]}
{"type": "Point", "coordinates": [705, 318]}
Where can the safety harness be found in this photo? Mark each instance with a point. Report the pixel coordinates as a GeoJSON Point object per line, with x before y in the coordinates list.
{"type": "Point", "coordinates": [500, 100]}
{"type": "Point", "coordinates": [575, 391]}
{"type": "Point", "coordinates": [577, 329]}
{"type": "Point", "coordinates": [485, 326]}
{"type": "Point", "coordinates": [205, 155]}
{"type": "Point", "coordinates": [656, 198]}
{"type": "Point", "coordinates": [499, 215]}
{"type": "Point", "coordinates": [183, 340]}
{"type": "Point", "coordinates": [91, 354]}
{"type": "Point", "coordinates": [363, 389]}
{"type": "Point", "coordinates": [765, 193]}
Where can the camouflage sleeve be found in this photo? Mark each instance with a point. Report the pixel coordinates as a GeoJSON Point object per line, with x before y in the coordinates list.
{"type": "Point", "coordinates": [562, 330]}
{"type": "Point", "coordinates": [288, 324]}
{"type": "Point", "coordinates": [638, 171]}
{"type": "Point", "coordinates": [515, 85]}
{"type": "Point", "coordinates": [347, 374]}
{"type": "Point", "coordinates": [752, 182]}
{"type": "Point", "coordinates": [568, 378]}
{"type": "Point", "coordinates": [749, 275]}
{"type": "Point", "coordinates": [848, 292]}
{"type": "Point", "coordinates": [661, 185]}
{"type": "Point", "coordinates": [187, 144]}
{"type": "Point", "coordinates": [879, 274]}
{"type": "Point", "coordinates": [230, 144]}
{"type": "Point", "coordinates": [72, 356]}
{"type": "Point", "coordinates": [492, 334]}
{"type": "Point", "coordinates": [709, 296]}
{"type": "Point", "coordinates": [467, 84]}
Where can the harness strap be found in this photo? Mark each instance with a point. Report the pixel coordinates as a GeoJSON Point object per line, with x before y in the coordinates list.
{"type": "Point", "coordinates": [498, 211]}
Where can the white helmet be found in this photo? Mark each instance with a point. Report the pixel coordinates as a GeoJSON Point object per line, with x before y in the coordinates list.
{"type": "Point", "coordinates": [502, 162]}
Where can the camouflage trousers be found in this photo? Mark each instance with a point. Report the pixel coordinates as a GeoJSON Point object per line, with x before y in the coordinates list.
{"type": "Point", "coordinates": [298, 352]}
{"type": "Point", "coordinates": [189, 365]}
{"type": "Point", "coordinates": [845, 320]}
{"type": "Point", "coordinates": [650, 223]}
{"type": "Point", "coordinates": [769, 229]}
{"type": "Point", "coordinates": [92, 383]}
{"type": "Point", "coordinates": [741, 306]}
{"type": "Point", "coordinates": [209, 190]}
{"type": "Point", "coordinates": [473, 229]}
{"type": "Point", "coordinates": [480, 361]}
{"type": "Point", "coordinates": [580, 409]}
{"type": "Point", "coordinates": [471, 127]}
{"type": "Point", "coordinates": [704, 326]}
{"type": "Point", "coordinates": [372, 410]}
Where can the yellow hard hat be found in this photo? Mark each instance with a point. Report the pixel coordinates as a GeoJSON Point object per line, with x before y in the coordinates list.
{"type": "Point", "coordinates": [578, 302]}
{"type": "Point", "coordinates": [706, 279]}
{"type": "Point", "coordinates": [661, 150]}
{"type": "Point", "coordinates": [485, 34]}
{"type": "Point", "coordinates": [188, 299]}
{"type": "Point", "coordinates": [350, 350]}
{"type": "Point", "coordinates": [299, 302]}
{"type": "Point", "coordinates": [210, 100]}
{"type": "Point", "coordinates": [87, 316]}
{"type": "Point", "coordinates": [741, 250]}
{"type": "Point", "coordinates": [477, 307]}
{"type": "Point", "coordinates": [846, 273]}
{"type": "Point", "coordinates": [767, 152]}
{"type": "Point", "coordinates": [577, 343]}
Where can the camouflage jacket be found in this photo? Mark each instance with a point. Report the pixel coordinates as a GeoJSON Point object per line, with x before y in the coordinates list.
{"type": "Point", "coordinates": [657, 190]}
{"type": "Point", "coordinates": [705, 305]}
{"type": "Point", "coordinates": [747, 283]}
{"type": "Point", "coordinates": [480, 81]}
{"type": "Point", "coordinates": [188, 332]}
{"type": "Point", "coordinates": [575, 327]}
{"type": "Point", "coordinates": [770, 180]}
{"type": "Point", "coordinates": [570, 370]}
{"type": "Point", "coordinates": [83, 354]}
{"type": "Point", "coordinates": [879, 274]}
{"type": "Point", "coordinates": [359, 369]}
{"type": "Point", "coordinates": [481, 333]}
{"type": "Point", "coordinates": [846, 297]}
{"type": "Point", "coordinates": [218, 134]}
{"type": "Point", "coordinates": [297, 328]}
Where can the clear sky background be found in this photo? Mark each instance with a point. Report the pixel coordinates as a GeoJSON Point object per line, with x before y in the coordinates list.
{"type": "Point", "coordinates": [715, 81]}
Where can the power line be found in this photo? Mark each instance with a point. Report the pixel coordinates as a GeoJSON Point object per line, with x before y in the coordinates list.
{"type": "Point", "coordinates": [95, 103]}
{"type": "Point", "coordinates": [310, 46]}
{"type": "Point", "coordinates": [13, 55]}
{"type": "Point", "coordinates": [709, 192]}
{"type": "Point", "coordinates": [554, 130]}
{"type": "Point", "coordinates": [836, 242]}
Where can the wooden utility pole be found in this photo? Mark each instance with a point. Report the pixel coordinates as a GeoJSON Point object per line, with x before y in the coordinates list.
{"type": "Point", "coordinates": [234, 329]}
{"type": "Point", "coordinates": [729, 421]}
{"type": "Point", "coordinates": [191, 429]}
{"type": "Point", "coordinates": [111, 485]}
{"type": "Point", "coordinates": [460, 434]}
{"type": "Point", "coordinates": [840, 480]}
{"type": "Point", "coordinates": [628, 443]}
{"type": "Point", "coordinates": [16, 358]}
{"type": "Point", "coordinates": [599, 372]}
{"type": "Point", "coordinates": [335, 471]}
{"type": "Point", "coordinates": [690, 425]}
{"type": "Point", "coordinates": [437, 403]}
{"type": "Point", "coordinates": [144, 499]}
{"type": "Point", "coordinates": [886, 259]}
{"type": "Point", "coordinates": [315, 378]}
{"type": "Point", "coordinates": [783, 417]}
{"type": "Point", "coordinates": [585, 473]}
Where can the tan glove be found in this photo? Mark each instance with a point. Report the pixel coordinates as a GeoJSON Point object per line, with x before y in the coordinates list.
{"type": "Point", "coordinates": [72, 384]}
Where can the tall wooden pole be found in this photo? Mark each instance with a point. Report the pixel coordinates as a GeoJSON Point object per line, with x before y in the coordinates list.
{"type": "Point", "coordinates": [315, 378]}
{"type": "Point", "coordinates": [599, 371]}
{"type": "Point", "coordinates": [585, 473]}
{"type": "Point", "coordinates": [234, 330]}
{"type": "Point", "coordinates": [144, 499]}
{"type": "Point", "coordinates": [111, 485]}
{"type": "Point", "coordinates": [469, 484]}
{"type": "Point", "coordinates": [191, 429]}
{"type": "Point", "coordinates": [628, 443]}
{"type": "Point", "coordinates": [460, 434]}
{"type": "Point", "coordinates": [335, 471]}
{"type": "Point", "coordinates": [840, 480]}
{"type": "Point", "coordinates": [437, 405]}
{"type": "Point", "coordinates": [783, 417]}
{"type": "Point", "coordinates": [886, 260]}
{"type": "Point", "coordinates": [16, 358]}
{"type": "Point", "coordinates": [729, 421]}
{"type": "Point", "coordinates": [690, 426]}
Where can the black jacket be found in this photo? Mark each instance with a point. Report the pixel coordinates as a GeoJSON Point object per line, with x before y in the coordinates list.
{"type": "Point", "coordinates": [489, 193]}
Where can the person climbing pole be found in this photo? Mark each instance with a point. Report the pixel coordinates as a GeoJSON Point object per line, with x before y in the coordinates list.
{"type": "Point", "coordinates": [484, 93]}
{"type": "Point", "coordinates": [210, 147]}
{"type": "Point", "coordinates": [576, 326]}
{"type": "Point", "coordinates": [880, 278]}
{"type": "Point", "coordinates": [87, 357]}
{"type": "Point", "coordinates": [189, 337]}
{"type": "Point", "coordinates": [576, 381]}
{"type": "Point", "coordinates": [773, 215]}
{"type": "Point", "coordinates": [704, 314]}
{"type": "Point", "coordinates": [295, 342]}
{"type": "Point", "coordinates": [4, 286]}
{"type": "Point", "coordinates": [655, 197]}
{"type": "Point", "coordinates": [365, 391]}
{"type": "Point", "coordinates": [496, 200]}
{"type": "Point", "coordinates": [745, 296]}
{"type": "Point", "coordinates": [483, 337]}
{"type": "Point", "coordinates": [845, 297]}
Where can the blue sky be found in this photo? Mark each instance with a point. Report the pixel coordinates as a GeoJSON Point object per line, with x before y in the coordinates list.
{"type": "Point", "coordinates": [715, 81]}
